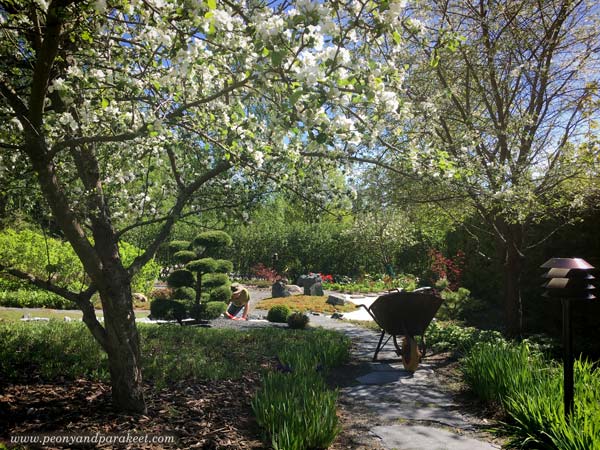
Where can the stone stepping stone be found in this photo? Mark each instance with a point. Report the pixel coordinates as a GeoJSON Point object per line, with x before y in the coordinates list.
{"type": "Point", "coordinates": [417, 437]}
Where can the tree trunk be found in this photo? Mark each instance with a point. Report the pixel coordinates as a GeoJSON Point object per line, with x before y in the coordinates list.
{"type": "Point", "coordinates": [198, 287]}
{"type": "Point", "coordinates": [123, 344]}
{"type": "Point", "coordinates": [513, 267]}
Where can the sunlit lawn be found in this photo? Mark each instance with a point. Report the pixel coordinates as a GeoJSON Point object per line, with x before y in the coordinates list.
{"type": "Point", "coordinates": [304, 303]}
{"type": "Point", "coordinates": [14, 314]}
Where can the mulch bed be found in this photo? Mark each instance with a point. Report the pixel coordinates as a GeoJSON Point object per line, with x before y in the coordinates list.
{"type": "Point", "coordinates": [206, 415]}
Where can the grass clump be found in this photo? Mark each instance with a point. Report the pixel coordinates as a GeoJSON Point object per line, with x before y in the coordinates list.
{"type": "Point", "coordinates": [304, 303]}
{"type": "Point", "coordinates": [54, 350]}
{"type": "Point", "coordinates": [294, 406]}
{"type": "Point", "coordinates": [528, 388]}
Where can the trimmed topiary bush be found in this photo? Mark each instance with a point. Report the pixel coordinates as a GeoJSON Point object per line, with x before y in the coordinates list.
{"type": "Point", "coordinates": [213, 280]}
{"type": "Point", "coordinates": [213, 310]}
{"type": "Point", "coordinates": [278, 314]}
{"type": "Point", "coordinates": [176, 246]}
{"type": "Point", "coordinates": [223, 266]}
{"type": "Point", "coordinates": [297, 320]}
{"type": "Point", "coordinates": [167, 310]}
{"type": "Point", "coordinates": [220, 294]}
{"type": "Point", "coordinates": [180, 278]}
{"type": "Point", "coordinates": [184, 256]}
{"type": "Point", "coordinates": [184, 293]}
{"type": "Point", "coordinates": [213, 239]}
{"type": "Point", "coordinates": [204, 265]}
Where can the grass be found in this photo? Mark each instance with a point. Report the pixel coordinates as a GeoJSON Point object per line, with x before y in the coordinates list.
{"type": "Point", "coordinates": [304, 303]}
{"type": "Point", "coordinates": [52, 350]}
{"type": "Point", "coordinates": [528, 388]}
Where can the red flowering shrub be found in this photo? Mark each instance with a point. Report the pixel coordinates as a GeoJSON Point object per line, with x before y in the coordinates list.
{"type": "Point", "coordinates": [447, 268]}
{"type": "Point", "coordinates": [326, 278]}
{"type": "Point", "coordinates": [264, 272]}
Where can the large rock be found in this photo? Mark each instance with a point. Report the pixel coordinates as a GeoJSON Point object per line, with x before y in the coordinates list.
{"type": "Point", "coordinates": [316, 289]}
{"type": "Point", "coordinates": [336, 300]}
{"type": "Point", "coordinates": [137, 296]}
{"type": "Point", "coordinates": [295, 289]}
{"type": "Point", "coordinates": [279, 289]}
{"type": "Point", "coordinates": [307, 282]}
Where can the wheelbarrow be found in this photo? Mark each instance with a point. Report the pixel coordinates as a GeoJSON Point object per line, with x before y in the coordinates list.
{"type": "Point", "coordinates": [406, 314]}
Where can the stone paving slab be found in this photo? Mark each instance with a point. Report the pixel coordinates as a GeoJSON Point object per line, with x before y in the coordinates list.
{"type": "Point", "coordinates": [418, 437]}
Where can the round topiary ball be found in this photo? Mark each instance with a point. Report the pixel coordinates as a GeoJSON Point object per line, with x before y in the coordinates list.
{"type": "Point", "coordinates": [220, 294]}
{"type": "Point", "coordinates": [184, 293]}
{"type": "Point", "coordinates": [184, 256]}
{"type": "Point", "coordinates": [213, 280]}
{"type": "Point", "coordinates": [213, 239]}
{"type": "Point", "coordinates": [297, 320]}
{"type": "Point", "coordinates": [278, 314]}
{"type": "Point", "coordinates": [223, 266]}
{"type": "Point", "coordinates": [180, 278]}
{"type": "Point", "coordinates": [204, 265]}
{"type": "Point", "coordinates": [176, 246]}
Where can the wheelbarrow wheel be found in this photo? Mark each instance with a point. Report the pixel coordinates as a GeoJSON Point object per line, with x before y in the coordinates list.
{"type": "Point", "coordinates": [411, 356]}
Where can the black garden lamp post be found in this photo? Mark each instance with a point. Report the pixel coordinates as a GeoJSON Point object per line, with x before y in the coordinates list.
{"type": "Point", "coordinates": [568, 280]}
{"type": "Point", "coordinates": [275, 259]}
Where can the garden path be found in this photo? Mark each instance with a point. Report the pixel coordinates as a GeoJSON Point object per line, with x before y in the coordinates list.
{"type": "Point", "coordinates": [406, 411]}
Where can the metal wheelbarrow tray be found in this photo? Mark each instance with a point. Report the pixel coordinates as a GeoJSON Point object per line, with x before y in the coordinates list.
{"type": "Point", "coordinates": [406, 314]}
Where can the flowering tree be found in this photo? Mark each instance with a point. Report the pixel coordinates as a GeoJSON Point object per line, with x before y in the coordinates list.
{"type": "Point", "coordinates": [130, 113]}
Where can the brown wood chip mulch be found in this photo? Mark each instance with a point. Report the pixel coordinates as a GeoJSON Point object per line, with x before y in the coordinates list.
{"type": "Point", "coordinates": [206, 415]}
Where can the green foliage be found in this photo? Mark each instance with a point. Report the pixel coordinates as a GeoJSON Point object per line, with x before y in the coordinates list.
{"type": "Point", "coordinates": [223, 266]}
{"type": "Point", "coordinates": [297, 320]}
{"type": "Point", "coordinates": [184, 293]}
{"type": "Point", "coordinates": [294, 406]}
{"type": "Point", "coordinates": [177, 246]}
{"type": "Point", "coordinates": [450, 337]}
{"type": "Point", "coordinates": [213, 280]}
{"type": "Point", "coordinates": [144, 280]}
{"type": "Point", "coordinates": [56, 350]}
{"type": "Point", "coordinates": [368, 283]}
{"type": "Point", "coordinates": [50, 258]}
{"type": "Point", "coordinates": [529, 389]}
{"type": "Point", "coordinates": [180, 278]}
{"type": "Point", "coordinates": [220, 294]}
{"type": "Point", "coordinates": [27, 298]}
{"type": "Point", "coordinates": [455, 304]}
{"type": "Point", "coordinates": [278, 314]}
{"type": "Point", "coordinates": [212, 240]}
{"type": "Point", "coordinates": [184, 256]}
{"type": "Point", "coordinates": [209, 310]}
{"type": "Point", "coordinates": [204, 265]}
{"type": "Point", "coordinates": [167, 310]}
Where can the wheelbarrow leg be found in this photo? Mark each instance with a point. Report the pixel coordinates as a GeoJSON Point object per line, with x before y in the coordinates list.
{"type": "Point", "coordinates": [378, 345]}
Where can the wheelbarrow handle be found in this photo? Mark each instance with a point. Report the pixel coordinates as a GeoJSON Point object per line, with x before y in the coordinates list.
{"type": "Point", "coordinates": [369, 311]}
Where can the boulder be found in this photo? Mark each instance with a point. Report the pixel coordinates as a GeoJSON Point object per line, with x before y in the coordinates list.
{"type": "Point", "coordinates": [279, 289]}
{"type": "Point", "coordinates": [336, 300]}
{"type": "Point", "coordinates": [139, 297]}
{"type": "Point", "coordinates": [307, 281]}
{"type": "Point", "coordinates": [316, 289]}
{"type": "Point", "coordinates": [295, 289]}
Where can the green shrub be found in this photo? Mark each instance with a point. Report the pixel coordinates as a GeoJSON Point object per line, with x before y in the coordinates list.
{"type": "Point", "coordinates": [220, 294]}
{"type": "Point", "coordinates": [163, 293]}
{"type": "Point", "coordinates": [167, 310]}
{"type": "Point", "coordinates": [184, 256]}
{"type": "Point", "coordinates": [144, 280]}
{"type": "Point", "coordinates": [184, 293]}
{"type": "Point", "coordinates": [180, 278]}
{"type": "Point", "coordinates": [278, 314]}
{"type": "Point", "coordinates": [213, 239]}
{"type": "Point", "coordinates": [204, 265]}
{"type": "Point", "coordinates": [450, 337]}
{"type": "Point", "coordinates": [177, 246]}
{"type": "Point", "coordinates": [28, 298]}
{"type": "Point", "coordinates": [297, 320]}
{"type": "Point", "coordinates": [212, 310]}
{"type": "Point", "coordinates": [223, 266]}
{"type": "Point", "coordinates": [213, 280]}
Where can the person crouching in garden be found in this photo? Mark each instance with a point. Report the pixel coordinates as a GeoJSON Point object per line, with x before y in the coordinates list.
{"type": "Point", "coordinates": [240, 303]}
